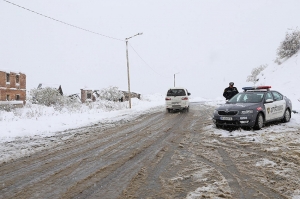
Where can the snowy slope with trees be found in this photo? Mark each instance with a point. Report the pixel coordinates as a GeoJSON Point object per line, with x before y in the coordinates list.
{"type": "Point", "coordinates": [283, 75]}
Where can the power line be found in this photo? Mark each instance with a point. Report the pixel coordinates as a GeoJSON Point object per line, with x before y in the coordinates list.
{"type": "Point", "coordinates": [83, 30]}
{"type": "Point", "coordinates": [62, 21]}
{"type": "Point", "coordinates": [146, 62]}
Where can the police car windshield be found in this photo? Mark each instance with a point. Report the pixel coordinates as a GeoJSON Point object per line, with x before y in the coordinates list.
{"type": "Point", "coordinates": [176, 92]}
{"type": "Point", "coordinates": [247, 97]}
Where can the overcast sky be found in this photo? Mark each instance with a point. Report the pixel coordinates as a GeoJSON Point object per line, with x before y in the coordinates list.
{"type": "Point", "coordinates": [208, 43]}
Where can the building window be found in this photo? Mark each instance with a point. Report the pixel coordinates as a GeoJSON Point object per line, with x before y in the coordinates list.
{"type": "Point", "coordinates": [7, 97]}
{"type": "Point", "coordinates": [17, 97]}
{"type": "Point", "coordinates": [7, 77]}
{"type": "Point", "coordinates": [17, 79]}
{"type": "Point", "coordinates": [89, 96]}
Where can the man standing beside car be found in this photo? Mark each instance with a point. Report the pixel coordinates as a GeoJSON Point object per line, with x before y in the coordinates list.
{"type": "Point", "coordinates": [230, 91]}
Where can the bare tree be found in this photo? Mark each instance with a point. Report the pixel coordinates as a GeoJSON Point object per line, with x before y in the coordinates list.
{"type": "Point", "coordinates": [255, 72]}
{"type": "Point", "coordinates": [289, 46]}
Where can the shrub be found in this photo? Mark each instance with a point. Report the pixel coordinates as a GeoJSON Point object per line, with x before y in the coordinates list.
{"type": "Point", "coordinates": [111, 93]}
{"type": "Point", "coordinates": [46, 96]}
{"type": "Point", "coordinates": [255, 72]}
{"type": "Point", "coordinates": [289, 46]}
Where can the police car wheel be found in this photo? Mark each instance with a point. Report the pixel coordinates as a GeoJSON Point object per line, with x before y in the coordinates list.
{"type": "Point", "coordinates": [259, 122]}
{"type": "Point", "coordinates": [287, 116]}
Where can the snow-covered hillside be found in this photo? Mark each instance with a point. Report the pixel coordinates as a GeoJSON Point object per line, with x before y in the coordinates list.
{"type": "Point", "coordinates": [284, 78]}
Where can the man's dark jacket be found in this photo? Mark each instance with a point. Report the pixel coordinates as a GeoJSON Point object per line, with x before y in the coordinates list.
{"type": "Point", "coordinates": [230, 92]}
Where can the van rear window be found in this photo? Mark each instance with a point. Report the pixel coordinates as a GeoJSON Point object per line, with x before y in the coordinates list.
{"type": "Point", "coordinates": [176, 92]}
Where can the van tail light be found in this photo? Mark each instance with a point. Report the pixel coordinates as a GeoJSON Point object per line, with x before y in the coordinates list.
{"type": "Point", "coordinates": [184, 98]}
{"type": "Point", "coordinates": [259, 108]}
{"type": "Point", "coordinates": [168, 98]}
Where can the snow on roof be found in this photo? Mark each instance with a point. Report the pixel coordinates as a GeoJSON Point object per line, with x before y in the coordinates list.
{"type": "Point", "coordinates": [177, 88]}
{"type": "Point", "coordinates": [6, 70]}
{"type": "Point", "coordinates": [87, 89]}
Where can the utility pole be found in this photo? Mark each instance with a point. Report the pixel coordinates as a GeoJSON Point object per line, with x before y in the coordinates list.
{"type": "Point", "coordinates": [129, 94]}
{"type": "Point", "coordinates": [174, 78]}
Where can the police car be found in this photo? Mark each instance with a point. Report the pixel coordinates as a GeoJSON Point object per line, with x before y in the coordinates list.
{"type": "Point", "coordinates": [253, 108]}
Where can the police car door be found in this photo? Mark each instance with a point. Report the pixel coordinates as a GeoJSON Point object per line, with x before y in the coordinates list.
{"type": "Point", "coordinates": [268, 106]}
{"type": "Point", "coordinates": [279, 103]}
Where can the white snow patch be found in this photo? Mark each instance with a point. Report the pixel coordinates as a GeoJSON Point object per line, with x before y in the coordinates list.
{"type": "Point", "coordinates": [296, 194]}
{"type": "Point", "coordinates": [265, 162]}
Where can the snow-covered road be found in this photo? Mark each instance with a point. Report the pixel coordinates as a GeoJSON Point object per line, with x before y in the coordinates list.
{"type": "Point", "coordinates": [155, 154]}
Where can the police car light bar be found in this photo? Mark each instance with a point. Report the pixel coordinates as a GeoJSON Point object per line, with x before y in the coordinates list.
{"type": "Point", "coordinates": [255, 88]}
{"type": "Point", "coordinates": [263, 87]}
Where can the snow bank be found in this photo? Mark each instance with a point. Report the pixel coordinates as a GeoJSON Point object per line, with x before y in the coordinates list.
{"type": "Point", "coordinates": [40, 120]}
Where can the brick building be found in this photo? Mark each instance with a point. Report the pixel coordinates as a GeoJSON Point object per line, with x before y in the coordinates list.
{"type": "Point", "coordinates": [12, 88]}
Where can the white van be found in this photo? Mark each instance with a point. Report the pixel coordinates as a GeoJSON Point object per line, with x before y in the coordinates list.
{"type": "Point", "coordinates": [177, 99]}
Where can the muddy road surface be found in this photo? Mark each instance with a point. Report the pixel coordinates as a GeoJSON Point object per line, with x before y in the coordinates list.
{"type": "Point", "coordinates": [158, 155]}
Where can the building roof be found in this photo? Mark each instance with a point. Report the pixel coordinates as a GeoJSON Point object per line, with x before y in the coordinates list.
{"type": "Point", "coordinates": [6, 70]}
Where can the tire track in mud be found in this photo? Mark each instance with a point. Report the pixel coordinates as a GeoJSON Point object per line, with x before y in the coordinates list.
{"type": "Point", "coordinates": [241, 185]}
{"type": "Point", "coordinates": [153, 185]}
{"type": "Point", "coordinates": [56, 154]}
{"type": "Point", "coordinates": [147, 183]}
{"type": "Point", "coordinates": [144, 143]}
{"type": "Point", "coordinates": [44, 165]}
{"type": "Point", "coordinates": [73, 147]}
{"type": "Point", "coordinates": [85, 169]}
{"type": "Point", "coordinates": [112, 185]}
{"type": "Point", "coordinates": [265, 180]}
{"type": "Point", "coordinates": [244, 186]}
